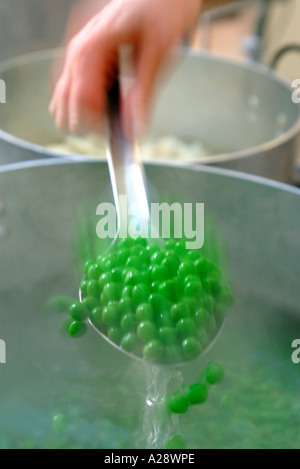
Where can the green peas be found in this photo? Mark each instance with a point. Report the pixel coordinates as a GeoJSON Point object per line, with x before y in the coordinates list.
{"type": "Point", "coordinates": [173, 354]}
{"type": "Point", "coordinates": [140, 241]}
{"type": "Point", "coordinates": [126, 243]}
{"type": "Point", "coordinates": [167, 335]}
{"type": "Point", "coordinates": [112, 292]}
{"type": "Point", "coordinates": [96, 318]}
{"type": "Point", "coordinates": [94, 272]}
{"type": "Point", "coordinates": [208, 303]}
{"type": "Point", "coordinates": [169, 289]}
{"type": "Point", "coordinates": [158, 303]}
{"type": "Point", "coordinates": [104, 279]}
{"type": "Point", "coordinates": [191, 348]}
{"type": "Point", "coordinates": [203, 267]}
{"type": "Point", "coordinates": [132, 277]}
{"type": "Point", "coordinates": [226, 296]}
{"type": "Point", "coordinates": [145, 313]}
{"type": "Point", "coordinates": [152, 249]}
{"type": "Point", "coordinates": [186, 328]}
{"type": "Point", "coordinates": [122, 257]}
{"type": "Point", "coordinates": [129, 342]}
{"type": "Point", "coordinates": [128, 323]}
{"type": "Point", "coordinates": [180, 248]}
{"type": "Point", "coordinates": [78, 312]}
{"type": "Point", "coordinates": [133, 262]}
{"type": "Point", "coordinates": [157, 258]}
{"type": "Point", "coordinates": [159, 273]}
{"type": "Point", "coordinates": [175, 442]}
{"type": "Point", "coordinates": [59, 422]}
{"type": "Point", "coordinates": [140, 294]}
{"type": "Point", "coordinates": [179, 311]}
{"type": "Point", "coordinates": [127, 292]}
{"type": "Point", "coordinates": [126, 306]}
{"type": "Point", "coordinates": [93, 289]}
{"type": "Point", "coordinates": [170, 244]}
{"type": "Point", "coordinates": [186, 268]}
{"type": "Point", "coordinates": [115, 334]}
{"type": "Point", "coordinates": [171, 266]}
{"type": "Point", "coordinates": [77, 329]}
{"type": "Point", "coordinates": [200, 316]}
{"type": "Point", "coordinates": [87, 266]}
{"type": "Point", "coordinates": [116, 275]}
{"type": "Point", "coordinates": [212, 286]}
{"type": "Point", "coordinates": [90, 303]}
{"type": "Point", "coordinates": [83, 289]}
{"type": "Point", "coordinates": [214, 374]}
{"type": "Point", "coordinates": [146, 331]}
{"type": "Point", "coordinates": [193, 255]}
{"type": "Point", "coordinates": [197, 394]}
{"type": "Point", "coordinates": [178, 403]}
{"type": "Point", "coordinates": [153, 350]}
{"type": "Point", "coordinates": [193, 289]}
{"type": "Point", "coordinates": [111, 314]}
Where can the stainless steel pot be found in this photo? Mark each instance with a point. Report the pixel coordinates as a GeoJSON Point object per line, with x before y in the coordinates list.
{"type": "Point", "coordinates": [101, 393]}
{"type": "Point", "coordinates": [242, 111]}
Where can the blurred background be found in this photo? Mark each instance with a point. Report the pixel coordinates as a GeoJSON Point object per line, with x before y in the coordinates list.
{"type": "Point", "coordinates": [255, 29]}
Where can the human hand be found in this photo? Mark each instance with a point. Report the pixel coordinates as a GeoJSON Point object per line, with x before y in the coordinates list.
{"type": "Point", "coordinates": [151, 28]}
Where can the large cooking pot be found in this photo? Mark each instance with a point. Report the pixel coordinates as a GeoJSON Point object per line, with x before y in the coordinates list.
{"type": "Point", "coordinates": [60, 393]}
{"type": "Point", "coordinates": [242, 112]}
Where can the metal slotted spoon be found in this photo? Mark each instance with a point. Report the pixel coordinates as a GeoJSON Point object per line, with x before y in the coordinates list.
{"type": "Point", "coordinates": [128, 179]}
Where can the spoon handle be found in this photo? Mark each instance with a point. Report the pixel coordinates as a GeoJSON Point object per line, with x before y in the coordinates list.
{"type": "Point", "coordinates": [125, 166]}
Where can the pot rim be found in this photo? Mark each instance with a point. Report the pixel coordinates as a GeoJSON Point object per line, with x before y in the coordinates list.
{"type": "Point", "coordinates": [257, 68]}
{"type": "Point", "coordinates": [224, 172]}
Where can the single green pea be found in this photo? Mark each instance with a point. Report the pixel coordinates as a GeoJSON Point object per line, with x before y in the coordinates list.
{"type": "Point", "coordinates": [170, 290]}
{"type": "Point", "coordinates": [96, 318]}
{"type": "Point", "coordinates": [127, 292]}
{"type": "Point", "coordinates": [94, 272]}
{"type": "Point", "coordinates": [164, 320]}
{"type": "Point", "coordinates": [111, 314]}
{"type": "Point", "coordinates": [192, 303]}
{"type": "Point", "coordinates": [126, 306]}
{"type": "Point", "coordinates": [157, 258]}
{"type": "Point", "coordinates": [145, 312]}
{"type": "Point", "coordinates": [171, 265]}
{"type": "Point", "coordinates": [112, 292]}
{"type": "Point", "coordinates": [191, 348]}
{"type": "Point", "coordinates": [186, 268]}
{"type": "Point", "coordinates": [159, 303]}
{"type": "Point", "coordinates": [178, 403]}
{"type": "Point", "coordinates": [153, 351]}
{"type": "Point", "coordinates": [167, 335]}
{"type": "Point", "coordinates": [128, 323]}
{"type": "Point", "coordinates": [133, 262]}
{"type": "Point", "coordinates": [193, 289]}
{"type": "Point", "coordinates": [197, 393]}
{"type": "Point", "coordinates": [203, 337]}
{"type": "Point", "coordinates": [212, 286]}
{"type": "Point", "coordinates": [175, 442]}
{"type": "Point", "coordinates": [208, 303]}
{"type": "Point", "coordinates": [136, 251]}
{"type": "Point", "coordinates": [104, 280]}
{"type": "Point", "coordinates": [186, 328]}
{"type": "Point", "coordinates": [140, 294]}
{"type": "Point", "coordinates": [214, 374]}
{"type": "Point", "coordinates": [122, 257]}
{"type": "Point", "coordinates": [111, 261]}
{"type": "Point", "coordinates": [77, 329]}
{"type": "Point", "coordinates": [170, 244]}
{"type": "Point", "coordinates": [126, 243]}
{"type": "Point", "coordinates": [78, 312]}
{"type": "Point", "coordinates": [59, 422]}
{"type": "Point", "coordinates": [193, 255]}
{"type": "Point", "coordinates": [171, 254]}
{"type": "Point", "coordinates": [152, 249]}
{"type": "Point", "coordinates": [203, 267]}
{"type": "Point", "coordinates": [146, 277]}
{"type": "Point", "coordinates": [132, 277]}
{"type": "Point", "coordinates": [200, 316]}
{"type": "Point", "coordinates": [87, 266]}
{"type": "Point", "coordinates": [65, 324]}
{"type": "Point", "coordinates": [116, 275]}
{"type": "Point", "coordinates": [180, 248]}
{"type": "Point", "coordinates": [179, 311]}
{"type": "Point", "coordinates": [129, 342]}
{"type": "Point", "coordinates": [90, 303]}
{"type": "Point", "coordinates": [59, 304]}
{"type": "Point", "coordinates": [115, 334]}
{"type": "Point", "coordinates": [141, 241]}
{"type": "Point", "coordinates": [211, 325]}
{"type": "Point", "coordinates": [146, 331]}
{"type": "Point", "coordinates": [159, 273]}
{"type": "Point", "coordinates": [93, 289]}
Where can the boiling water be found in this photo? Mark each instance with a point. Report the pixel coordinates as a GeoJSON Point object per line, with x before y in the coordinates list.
{"type": "Point", "coordinates": [111, 401]}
